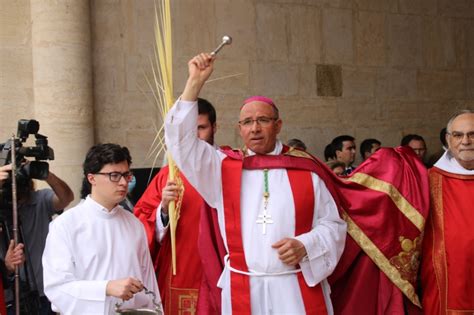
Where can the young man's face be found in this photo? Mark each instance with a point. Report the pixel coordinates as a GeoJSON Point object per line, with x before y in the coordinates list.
{"type": "Point", "coordinates": [348, 153]}
{"type": "Point", "coordinates": [375, 148]}
{"type": "Point", "coordinates": [105, 190]}
{"type": "Point", "coordinates": [419, 147]}
{"type": "Point", "coordinates": [206, 130]}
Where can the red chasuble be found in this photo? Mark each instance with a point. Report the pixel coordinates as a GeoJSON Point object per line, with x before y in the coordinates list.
{"type": "Point", "coordinates": [386, 203]}
{"type": "Point", "coordinates": [448, 250]}
{"type": "Point", "coordinates": [179, 293]}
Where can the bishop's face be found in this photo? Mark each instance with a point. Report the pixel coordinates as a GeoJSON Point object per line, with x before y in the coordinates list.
{"type": "Point", "coordinates": [459, 140]}
{"type": "Point", "coordinates": [259, 127]}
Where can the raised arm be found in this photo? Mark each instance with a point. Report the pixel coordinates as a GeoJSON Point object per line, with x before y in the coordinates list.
{"type": "Point", "coordinates": [63, 195]}
{"type": "Point", "coordinates": [197, 160]}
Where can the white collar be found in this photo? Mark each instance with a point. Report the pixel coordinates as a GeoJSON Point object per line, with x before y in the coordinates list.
{"type": "Point", "coordinates": [449, 164]}
{"type": "Point", "coordinates": [277, 150]}
{"type": "Point", "coordinates": [100, 208]}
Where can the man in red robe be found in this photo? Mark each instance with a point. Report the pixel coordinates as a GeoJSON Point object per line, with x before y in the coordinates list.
{"type": "Point", "coordinates": [386, 203]}
{"type": "Point", "coordinates": [448, 250]}
{"type": "Point", "coordinates": [179, 293]}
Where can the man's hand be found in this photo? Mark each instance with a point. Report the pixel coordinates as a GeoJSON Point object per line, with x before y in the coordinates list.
{"type": "Point", "coordinates": [290, 251]}
{"type": "Point", "coordinates": [14, 256]}
{"type": "Point", "coordinates": [170, 193]}
{"type": "Point", "coordinates": [123, 288]}
{"type": "Point", "coordinates": [200, 68]}
{"type": "Point", "coordinates": [4, 172]}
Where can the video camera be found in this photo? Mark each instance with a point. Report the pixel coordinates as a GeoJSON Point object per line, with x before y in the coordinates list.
{"type": "Point", "coordinates": [36, 169]}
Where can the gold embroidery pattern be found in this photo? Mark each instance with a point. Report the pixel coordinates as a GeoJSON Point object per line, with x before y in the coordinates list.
{"type": "Point", "coordinates": [187, 304]}
{"type": "Point", "coordinates": [408, 260]}
{"type": "Point", "coordinates": [403, 205]}
{"type": "Point", "coordinates": [298, 153]}
{"type": "Point", "coordinates": [380, 260]}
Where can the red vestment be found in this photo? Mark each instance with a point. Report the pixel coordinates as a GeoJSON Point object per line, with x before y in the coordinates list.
{"type": "Point", "coordinates": [385, 203]}
{"type": "Point", "coordinates": [179, 293]}
{"type": "Point", "coordinates": [447, 271]}
{"type": "Point", "coordinates": [3, 309]}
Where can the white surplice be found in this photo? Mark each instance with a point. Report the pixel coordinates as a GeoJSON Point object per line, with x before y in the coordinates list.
{"type": "Point", "coordinates": [270, 293]}
{"type": "Point", "coordinates": [86, 247]}
{"type": "Point", "coordinates": [448, 163]}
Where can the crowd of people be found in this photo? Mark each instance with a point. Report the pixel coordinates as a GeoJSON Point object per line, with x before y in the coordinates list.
{"type": "Point", "coordinates": [264, 229]}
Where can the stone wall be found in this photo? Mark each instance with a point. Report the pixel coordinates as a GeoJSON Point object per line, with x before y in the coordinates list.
{"type": "Point", "coordinates": [368, 68]}
{"type": "Point", "coordinates": [400, 66]}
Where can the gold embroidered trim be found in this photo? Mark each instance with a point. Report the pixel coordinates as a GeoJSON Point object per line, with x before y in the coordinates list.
{"type": "Point", "coordinates": [403, 205]}
{"type": "Point", "coordinates": [380, 260]}
{"type": "Point", "coordinates": [298, 153]}
{"type": "Point", "coordinates": [439, 250]}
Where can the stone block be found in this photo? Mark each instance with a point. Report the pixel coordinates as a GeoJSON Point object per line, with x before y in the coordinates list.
{"type": "Point", "coordinates": [397, 111]}
{"type": "Point", "coordinates": [418, 7]}
{"type": "Point", "coordinates": [139, 142]}
{"type": "Point", "coordinates": [470, 43]}
{"type": "Point", "coordinates": [338, 48]}
{"type": "Point", "coordinates": [139, 69]}
{"type": "Point", "coordinates": [456, 8]}
{"type": "Point", "coordinates": [441, 84]}
{"type": "Point", "coordinates": [107, 30]}
{"type": "Point", "coordinates": [396, 84]}
{"type": "Point", "coordinates": [358, 83]}
{"type": "Point", "coordinates": [274, 79]}
{"type": "Point", "coordinates": [461, 35]}
{"type": "Point", "coordinates": [329, 80]}
{"type": "Point", "coordinates": [305, 34]}
{"type": "Point", "coordinates": [109, 70]}
{"type": "Point", "coordinates": [138, 112]}
{"type": "Point", "coordinates": [341, 4]}
{"type": "Point", "coordinates": [376, 5]}
{"type": "Point", "coordinates": [272, 35]}
{"type": "Point", "coordinates": [237, 19]}
{"type": "Point", "coordinates": [439, 50]}
{"type": "Point", "coordinates": [356, 111]}
{"type": "Point", "coordinates": [405, 41]}
{"type": "Point", "coordinates": [16, 67]}
{"type": "Point", "coordinates": [15, 27]}
{"type": "Point", "coordinates": [307, 80]}
{"type": "Point", "coordinates": [307, 112]}
{"type": "Point", "coordinates": [230, 77]}
{"type": "Point", "coordinates": [370, 38]}
{"type": "Point", "coordinates": [193, 24]}
{"type": "Point", "coordinates": [470, 84]}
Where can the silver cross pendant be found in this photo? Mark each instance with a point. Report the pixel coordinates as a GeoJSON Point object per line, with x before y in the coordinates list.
{"type": "Point", "coordinates": [264, 219]}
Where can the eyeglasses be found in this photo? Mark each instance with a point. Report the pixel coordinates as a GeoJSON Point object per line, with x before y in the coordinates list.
{"type": "Point", "coordinates": [117, 176]}
{"type": "Point", "coordinates": [262, 121]}
{"type": "Point", "coordinates": [458, 136]}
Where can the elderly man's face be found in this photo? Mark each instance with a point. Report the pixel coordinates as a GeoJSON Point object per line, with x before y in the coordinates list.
{"type": "Point", "coordinates": [460, 140]}
{"type": "Point", "coordinates": [259, 127]}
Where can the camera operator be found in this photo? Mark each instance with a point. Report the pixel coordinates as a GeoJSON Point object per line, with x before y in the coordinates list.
{"type": "Point", "coordinates": [35, 209]}
{"type": "Point", "coordinates": [14, 255]}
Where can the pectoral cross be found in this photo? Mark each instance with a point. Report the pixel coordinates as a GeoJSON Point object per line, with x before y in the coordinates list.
{"type": "Point", "coordinates": [264, 219]}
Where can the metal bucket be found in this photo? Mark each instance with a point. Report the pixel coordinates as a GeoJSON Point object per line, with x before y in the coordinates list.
{"type": "Point", "coordinates": [140, 311]}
